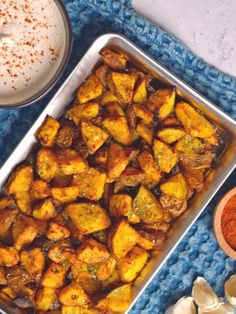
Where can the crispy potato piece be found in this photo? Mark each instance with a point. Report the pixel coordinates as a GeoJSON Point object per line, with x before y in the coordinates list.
{"type": "Point", "coordinates": [132, 264]}
{"type": "Point", "coordinates": [105, 270]}
{"type": "Point", "coordinates": [65, 194]}
{"type": "Point", "coordinates": [57, 232]}
{"type": "Point", "coordinates": [132, 177]}
{"type": "Point", "coordinates": [195, 178]}
{"type": "Point", "coordinates": [197, 161]}
{"type": "Point", "coordinates": [91, 89]}
{"type": "Point", "coordinates": [76, 235]}
{"type": "Point", "coordinates": [54, 276]}
{"type": "Point", "coordinates": [140, 93]}
{"type": "Point", "coordinates": [175, 186]}
{"type": "Point", "coordinates": [47, 165]}
{"type": "Point", "coordinates": [114, 110]}
{"type": "Point", "coordinates": [44, 210]}
{"type": "Point", "coordinates": [70, 162]}
{"type": "Point", "coordinates": [114, 60]}
{"type": "Point", "coordinates": [166, 157]}
{"type": "Point", "coordinates": [174, 205]}
{"type": "Point", "coordinates": [90, 184]}
{"type": "Point", "coordinates": [148, 165]}
{"type": "Point", "coordinates": [122, 86]}
{"type": "Point", "coordinates": [189, 145]}
{"type": "Point", "coordinates": [118, 300]}
{"type": "Point", "coordinates": [47, 133]}
{"type": "Point", "coordinates": [73, 295]}
{"type": "Point", "coordinates": [78, 310]}
{"type": "Point", "coordinates": [92, 252]}
{"type": "Point", "coordinates": [65, 137]}
{"type": "Point", "coordinates": [7, 218]}
{"type": "Point", "coordinates": [143, 113]}
{"type": "Point", "coordinates": [93, 136]}
{"type": "Point", "coordinates": [23, 200]}
{"type": "Point", "coordinates": [146, 132]}
{"type": "Point", "coordinates": [17, 278]}
{"type": "Point", "coordinates": [86, 111]}
{"type": "Point", "coordinates": [81, 271]}
{"type": "Point", "coordinates": [122, 205]}
{"type": "Point", "coordinates": [116, 161]}
{"type": "Point", "coordinates": [194, 123]}
{"type": "Point", "coordinates": [169, 122]}
{"type": "Point", "coordinates": [20, 180]}
{"type": "Point", "coordinates": [101, 156]}
{"type": "Point", "coordinates": [155, 237]}
{"type": "Point", "coordinates": [87, 217]}
{"type": "Point", "coordinates": [39, 189]}
{"type": "Point", "coordinates": [45, 298]}
{"type": "Point", "coordinates": [3, 280]}
{"type": "Point", "coordinates": [33, 261]}
{"type": "Point", "coordinates": [119, 130]}
{"type": "Point", "coordinates": [108, 97]}
{"type": "Point", "coordinates": [8, 292]}
{"type": "Point", "coordinates": [24, 231]}
{"type": "Point", "coordinates": [132, 152]}
{"type": "Point", "coordinates": [7, 202]}
{"type": "Point", "coordinates": [147, 207]}
{"type": "Point", "coordinates": [122, 230]}
{"type": "Point", "coordinates": [101, 74]}
{"type": "Point", "coordinates": [61, 252]}
{"type": "Point", "coordinates": [8, 256]}
{"type": "Point", "coordinates": [164, 101]}
{"type": "Point", "coordinates": [145, 242]}
{"type": "Point", "coordinates": [112, 281]}
{"type": "Point", "coordinates": [170, 135]}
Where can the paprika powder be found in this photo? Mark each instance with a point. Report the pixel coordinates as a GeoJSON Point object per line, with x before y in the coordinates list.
{"type": "Point", "coordinates": [228, 222]}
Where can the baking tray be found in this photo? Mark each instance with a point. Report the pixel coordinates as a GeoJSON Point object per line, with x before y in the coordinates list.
{"type": "Point", "coordinates": [214, 180]}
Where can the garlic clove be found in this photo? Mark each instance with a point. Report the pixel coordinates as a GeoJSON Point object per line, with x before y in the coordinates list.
{"type": "Point", "coordinates": [230, 290]}
{"type": "Point", "coordinates": [184, 306]}
{"type": "Point", "coordinates": [203, 295]}
{"type": "Point", "coordinates": [222, 308]}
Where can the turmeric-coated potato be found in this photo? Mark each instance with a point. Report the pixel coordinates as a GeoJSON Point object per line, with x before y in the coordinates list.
{"type": "Point", "coordinates": [88, 217]}
{"type": "Point", "coordinates": [195, 178]}
{"type": "Point", "coordinates": [146, 132]}
{"type": "Point", "coordinates": [93, 136]}
{"type": "Point", "coordinates": [83, 309]}
{"type": "Point", "coordinates": [145, 242]}
{"type": "Point", "coordinates": [23, 201]}
{"type": "Point", "coordinates": [65, 194]}
{"type": "Point", "coordinates": [114, 110]}
{"type": "Point", "coordinates": [174, 205]}
{"type": "Point", "coordinates": [132, 264]}
{"type": "Point", "coordinates": [47, 133]}
{"type": "Point", "coordinates": [17, 278]}
{"type": "Point", "coordinates": [118, 129]}
{"type": "Point", "coordinates": [122, 230]}
{"type": "Point", "coordinates": [61, 252]}
{"type": "Point", "coordinates": [149, 166]}
{"type": "Point", "coordinates": [47, 165]}
{"type": "Point", "coordinates": [73, 295]}
{"type": "Point", "coordinates": [71, 162]}
{"type": "Point", "coordinates": [39, 189]}
{"type": "Point", "coordinates": [108, 97]}
{"type": "Point", "coordinates": [116, 161]}
{"type": "Point", "coordinates": [57, 232]}
{"type": "Point", "coordinates": [45, 297]}
{"type": "Point", "coordinates": [118, 300]}
{"type": "Point", "coordinates": [7, 202]}
{"type": "Point", "coordinates": [20, 180]}
{"type": "Point", "coordinates": [197, 161]}
{"type": "Point", "coordinates": [170, 135]}
{"type": "Point", "coordinates": [164, 101]}
{"type": "Point", "coordinates": [147, 207]}
{"type": "Point", "coordinates": [86, 111]}
{"type": "Point", "coordinates": [3, 280]}
{"type": "Point", "coordinates": [101, 156]}
{"type": "Point", "coordinates": [104, 270]}
{"type": "Point", "coordinates": [90, 184]}
{"type": "Point", "coordinates": [92, 252]}
{"type": "Point", "coordinates": [91, 89]}
{"type": "Point", "coordinates": [132, 177]}
{"type": "Point", "coordinates": [165, 156]}
{"type": "Point", "coordinates": [44, 210]}
{"type": "Point", "coordinates": [194, 123]}
{"type": "Point", "coordinates": [175, 186]}
{"type": "Point", "coordinates": [33, 261]}
{"type": "Point", "coordinates": [101, 74]}
{"type": "Point", "coordinates": [140, 93]}
{"type": "Point", "coordinates": [143, 113]}
{"type": "Point", "coordinates": [54, 276]}
{"type": "Point", "coordinates": [65, 137]}
{"type": "Point", "coordinates": [114, 60]}
{"type": "Point", "coordinates": [7, 218]}
{"type": "Point", "coordinates": [189, 145]}
{"type": "Point", "coordinates": [122, 86]}
{"type": "Point", "coordinates": [8, 256]}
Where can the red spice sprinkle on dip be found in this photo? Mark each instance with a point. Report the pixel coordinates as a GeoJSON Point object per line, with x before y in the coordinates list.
{"type": "Point", "coordinates": [228, 222]}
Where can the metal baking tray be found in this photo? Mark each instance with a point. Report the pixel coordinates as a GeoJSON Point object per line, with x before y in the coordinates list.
{"type": "Point", "coordinates": [215, 179]}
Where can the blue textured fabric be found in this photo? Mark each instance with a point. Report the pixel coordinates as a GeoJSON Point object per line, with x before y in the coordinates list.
{"type": "Point", "coordinates": [198, 253]}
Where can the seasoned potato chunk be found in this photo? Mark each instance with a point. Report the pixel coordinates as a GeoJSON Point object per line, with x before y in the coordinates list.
{"type": "Point", "coordinates": [46, 164]}
{"type": "Point", "coordinates": [17, 278]}
{"type": "Point", "coordinates": [147, 207]}
{"type": "Point", "coordinates": [197, 161]}
{"type": "Point", "coordinates": [175, 186]}
{"type": "Point", "coordinates": [61, 252]}
{"type": "Point", "coordinates": [189, 145]}
{"type": "Point", "coordinates": [8, 256]}
{"type": "Point", "coordinates": [65, 137]}
{"type": "Point", "coordinates": [65, 194]}
{"type": "Point", "coordinates": [45, 298]}
{"type": "Point", "coordinates": [145, 242]}
{"type": "Point", "coordinates": [73, 295]}
{"type": "Point", "coordinates": [146, 132]}
{"type": "Point", "coordinates": [194, 123]}
{"type": "Point", "coordinates": [39, 189]}
{"type": "Point", "coordinates": [33, 261]}
{"type": "Point", "coordinates": [122, 205]}
{"type": "Point", "coordinates": [7, 218]}
{"type": "Point", "coordinates": [47, 133]}
{"type": "Point", "coordinates": [122, 230]}
{"type": "Point", "coordinates": [101, 74]}
{"type": "Point", "coordinates": [20, 180]}
{"type": "Point", "coordinates": [92, 252]}
{"type": "Point", "coordinates": [24, 231]}
{"type": "Point", "coordinates": [118, 300]}
{"type": "Point", "coordinates": [3, 280]}
{"type": "Point", "coordinates": [91, 89]}
{"type": "Point", "coordinates": [114, 110]}
{"type": "Point", "coordinates": [166, 158]}
{"type": "Point", "coordinates": [148, 165]}
{"type": "Point", "coordinates": [122, 86]}
{"type": "Point", "coordinates": [116, 161]}
{"type": "Point", "coordinates": [195, 178]}
{"type": "Point", "coordinates": [23, 200]}
{"type": "Point", "coordinates": [164, 101]}
{"type": "Point", "coordinates": [44, 210]}
{"type": "Point", "coordinates": [90, 184]}
{"type": "Point", "coordinates": [78, 310]}
{"type": "Point", "coordinates": [93, 136]}
{"type": "Point", "coordinates": [105, 270]}
{"type": "Point", "coordinates": [119, 130]}
{"type": "Point", "coordinates": [132, 264]}
{"type": "Point", "coordinates": [170, 135]}
{"type": "Point", "coordinates": [57, 232]}
{"type": "Point", "coordinates": [140, 93]}
{"type": "Point", "coordinates": [87, 217]}
{"type": "Point", "coordinates": [86, 111]}
{"type": "Point", "coordinates": [70, 162]}
{"type": "Point", "coordinates": [7, 202]}
{"type": "Point", "coordinates": [114, 60]}
{"type": "Point", "coordinates": [108, 97]}
{"type": "Point", "coordinates": [174, 205]}
{"type": "Point", "coordinates": [132, 177]}
{"type": "Point", "coordinates": [54, 276]}
{"type": "Point", "coordinates": [143, 113]}
{"type": "Point", "coordinates": [101, 156]}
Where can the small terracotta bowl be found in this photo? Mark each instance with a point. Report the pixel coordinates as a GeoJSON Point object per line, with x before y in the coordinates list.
{"type": "Point", "coordinates": [217, 224]}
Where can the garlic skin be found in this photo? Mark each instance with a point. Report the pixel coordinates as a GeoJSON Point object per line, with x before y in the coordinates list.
{"type": "Point", "coordinates": [184, 306]}
{"type": "Point", "coordinates": [230, 290]}
{"type": "Point", "coordinates": [222, 308]}
{"type": "Point", "coordinates": [204, 296]}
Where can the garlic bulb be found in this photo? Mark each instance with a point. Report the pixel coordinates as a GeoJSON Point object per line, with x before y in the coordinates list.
{"type": "Point", "coordinates": [230, 290]}
{"type": "Point", "coordinates": [184, 306]}
{"type": "Point", "coordinates": [222, 308]}
{"type": "Point", "coordinates": [204, 296]}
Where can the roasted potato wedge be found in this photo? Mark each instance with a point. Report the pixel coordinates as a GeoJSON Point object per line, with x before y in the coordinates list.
{"type": "Point", "coordinates": [3, 280]}
{"type": "Point", "coordinates": [165, 156]}
{"type": "Point", "coordinates": [149, 166]}
{"type": "Point", "coordinates": [71, 162]}
{"type": "Point", "coordinates": [114, 110]}
{"type": "Point", "coordinates": [47, 165]}
{"type": "Point", "coordinates": [78, 310]}
{"type": "Point", "coordinates": [54, 276]}
{"type": "Point", "coordinates": [20, 180]}
{"type": "Point", "coordinates": [140, 93]}
{"type": "Point", "coordinates": [108, 97]}
{"type": "Point", "coordinates": [118, 129]}
{"type": "Point", "coordinates": [164, 101]}
{"type": "Point", "coordinates": [8, 256]}
{"type": "Point", "coordinates": [57, 232]}
{"type": "Point", "coordinates": [39, 189]}
{"type": "Point", "coordinates": [7, 218]}
{"type": "Point", "coordinates": [189, 145]}
{"type": "Point", "coordinates": [143, 113]}
{"type": "Point", "coordinates": [47, 133]}
{"type": "Point", "coordinates": [92, 252]}
{"type": "Point", "coordinates": [114, 60]}
{"type": "Point", "coordinates": [17, 278]}
{"type": "Point", "coordinates": [65, 137]}
{"type": "Point", "coordinates": [79, 112]}
{"type": "Point", "coordinates": [175, 186]}
{"type": "Point", "coordinates": [44, 210]}
{"type": "Point", "coordinates": [61, 252]}
{"type": "Point", "coordinates": [45, 298]}
{"type": "Point", "coordinates": [195, 178]}
{"type": "Point", "coordinates": [116, 161]}
{"type": "Point", "coordinates": [73, 295]}
{"type": "Point", "coordinates": [65, 194]}
{"type": "Point", "coordinates": [91, 89]}
{"type": "Point", "coordinates": [101, 74]}
{"type": "Point", "coordinates": [33, 261]}
{"type": "Point", "coordinates": [175, 206]}
{"type": "Point", "coordinates": [146, 132]}
{"type": "Point", "coordinates": [170, 135]}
